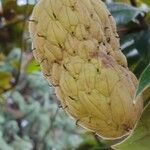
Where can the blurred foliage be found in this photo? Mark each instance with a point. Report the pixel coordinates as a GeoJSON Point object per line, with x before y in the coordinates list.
{"type": "Point", "coordinates": [13, 19]}
{"type": "Point", "coordinates": [30, 117]}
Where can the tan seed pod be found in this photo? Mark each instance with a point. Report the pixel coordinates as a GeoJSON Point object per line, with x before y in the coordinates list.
{"type": "Point", "coordinates": [76, 44]}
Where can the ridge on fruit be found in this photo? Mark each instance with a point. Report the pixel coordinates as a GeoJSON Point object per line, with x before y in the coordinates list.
{"type": "Point", "coordinates": [77, 46]}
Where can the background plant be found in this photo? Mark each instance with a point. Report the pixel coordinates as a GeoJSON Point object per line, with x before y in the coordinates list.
{"type": "Point", "coordinates": [30, 117]}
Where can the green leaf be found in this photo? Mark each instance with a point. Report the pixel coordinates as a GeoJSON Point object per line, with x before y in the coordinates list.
{"type": "Point", "coordinates": [32, 66]}
{"type": "Point", "coordinates": [139, 139]}
{"type": "Point", "coordinates": [136, 47]}
{"type": "Point", "coordinates": [144, 80]}
{"type": "Point", "coordinates": [123, 13]}
{"type": "Point", "coordinates": [5, 79]}
{"type": "Point", "coordinates": [146, 2]}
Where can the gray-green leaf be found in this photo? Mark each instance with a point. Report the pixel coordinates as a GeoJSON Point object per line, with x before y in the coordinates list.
{"type": "Point", "coordinates": [123, 13]}
{"type": "Point", "coordinates": [144, 80]}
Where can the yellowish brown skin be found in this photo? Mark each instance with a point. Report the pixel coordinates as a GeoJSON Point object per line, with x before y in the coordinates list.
{"type": "Point", "coordinates": [77, 46]}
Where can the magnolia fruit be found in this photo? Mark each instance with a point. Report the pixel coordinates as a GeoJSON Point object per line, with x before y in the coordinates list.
{"type": "Point", "coordinates": [77, 46]}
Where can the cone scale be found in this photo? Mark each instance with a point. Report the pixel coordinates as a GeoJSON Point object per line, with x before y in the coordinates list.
{"type": "Point", "coordinates": [77, 46]}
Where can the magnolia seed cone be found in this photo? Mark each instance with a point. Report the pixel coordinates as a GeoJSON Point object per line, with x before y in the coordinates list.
{"type": "Point", "coordinates": [77, 46]}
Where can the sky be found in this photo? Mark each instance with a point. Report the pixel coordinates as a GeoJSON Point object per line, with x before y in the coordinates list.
{"type": "Point", "coordinates": [23, 2]}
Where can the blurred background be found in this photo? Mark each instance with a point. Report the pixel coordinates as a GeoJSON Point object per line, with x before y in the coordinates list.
{"type": "Point", "coordinates": [30, 116]}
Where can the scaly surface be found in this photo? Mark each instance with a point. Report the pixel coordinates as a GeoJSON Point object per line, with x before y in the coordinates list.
{"type": "Point", "coordinates": [77, 46]}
